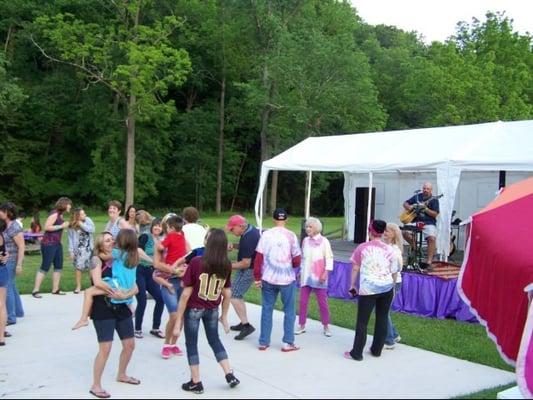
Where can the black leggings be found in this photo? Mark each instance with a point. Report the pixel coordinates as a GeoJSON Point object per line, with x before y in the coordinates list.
{"type": "Point", "coordinates": [365, 306]}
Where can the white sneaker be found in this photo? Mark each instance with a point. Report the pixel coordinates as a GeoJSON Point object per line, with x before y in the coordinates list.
{"type": "Point", "coordinates": [327, 332]}
{"type": "Point", "coordinates": [299, 331]}
{"type": "Point", "coordinates": [397, 339]}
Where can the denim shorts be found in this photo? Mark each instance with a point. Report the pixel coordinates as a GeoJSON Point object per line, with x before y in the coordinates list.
{"type": "Point", "coordinates": [4, 275]}
{"type": "Point", "coordinates": [171, 299]}
{"type": "Point", "coordinates": [242, 280]}
{"type": "Point", "coordinates": [105, 329]}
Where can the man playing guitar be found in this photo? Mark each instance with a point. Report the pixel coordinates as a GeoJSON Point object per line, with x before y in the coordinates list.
{"type": "Point", "coordinates": [428, 210]}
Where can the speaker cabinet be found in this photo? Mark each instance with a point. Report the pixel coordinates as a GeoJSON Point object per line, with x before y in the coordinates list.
{"type": "Point", "coordinates": [361, 212]}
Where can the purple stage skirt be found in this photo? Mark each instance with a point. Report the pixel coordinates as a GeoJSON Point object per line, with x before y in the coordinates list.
{"type": "Point", "coordinates": [422, 295]}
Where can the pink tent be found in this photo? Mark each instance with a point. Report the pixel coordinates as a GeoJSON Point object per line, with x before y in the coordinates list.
{"type": "Point", "coordinates": [498, 271]}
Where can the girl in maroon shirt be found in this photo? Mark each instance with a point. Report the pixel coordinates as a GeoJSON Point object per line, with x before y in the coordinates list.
{"type": "Point", "coordinates": [206, 284]}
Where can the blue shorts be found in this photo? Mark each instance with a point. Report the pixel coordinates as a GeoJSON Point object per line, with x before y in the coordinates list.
{"type": "Point", "coordinates": [4, 275]}
{"type": "Point", "coordinates": [171, 299]}
{"type": "Point", "coordinates": [242, 280]}
{"type": "Point", "coordinates": [105, 329]}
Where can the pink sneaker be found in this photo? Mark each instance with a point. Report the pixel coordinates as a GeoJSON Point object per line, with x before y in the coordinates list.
{"type": "Point", "coordinates": [166, 352]}
{"type": "Point", "coordinates": [175, 350]}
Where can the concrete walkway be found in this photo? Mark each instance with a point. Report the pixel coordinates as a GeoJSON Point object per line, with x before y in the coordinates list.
{"type": "Point", "coordinates": [45, 359]}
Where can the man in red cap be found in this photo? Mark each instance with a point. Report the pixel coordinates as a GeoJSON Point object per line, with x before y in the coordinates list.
{"type": "Point", "coordinates": [243, 278]}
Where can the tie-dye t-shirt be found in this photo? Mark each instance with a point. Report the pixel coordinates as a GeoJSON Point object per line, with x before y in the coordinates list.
{"type": "Point", "coordinates": [278, 246]}
{"type": "Point", "coordinates": [377, 261]}
{"type": "Point", "coordinates": [317, 258]}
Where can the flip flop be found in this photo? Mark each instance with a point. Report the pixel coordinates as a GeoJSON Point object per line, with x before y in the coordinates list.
{"type": "Point", "coordinates": [7, 334]}
{"type": "Point", "coordinates": [37, 295]}
{"type": "Point", "coordinates": [131, 380]}
{"type": "Point", "coordinates": [101, 394]}
{"type": "Point", "coordinates": [157, 333]}
{"type": "Point", "coordinates": [59, 292]}
{"type": "Point", "coordinates": [76, 292]}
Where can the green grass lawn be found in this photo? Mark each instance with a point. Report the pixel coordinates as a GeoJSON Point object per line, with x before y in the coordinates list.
{"type": "Point", "coordinates": [456, 339]}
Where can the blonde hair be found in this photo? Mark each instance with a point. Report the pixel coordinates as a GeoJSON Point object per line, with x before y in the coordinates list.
{"type": "Point", "coordinates": [397, 238]}
{"type": "Point", "coordinates": [75, 218]}
{"type": "Point", "coordinates": [99, 243]}
{"type": "Point", "coordinates": [144, 217]}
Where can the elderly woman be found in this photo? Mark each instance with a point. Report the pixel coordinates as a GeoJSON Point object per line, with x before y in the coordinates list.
{"type": "Point", "coordinates": [375, 263]}
{"type": "Point", "coordinates": [14, 247]}
{"type": "Point", "coordinates": [317, 262]}
{"type": "Point", "coordinates": [108, 318]}
{"type": "Point", "coordinates": [51, 248]}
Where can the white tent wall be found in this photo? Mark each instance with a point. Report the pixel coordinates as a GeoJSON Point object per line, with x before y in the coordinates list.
{"type": "Point", "coordinates": [453, 152]}
{"type": "Point", "coordinates": [475, 191]}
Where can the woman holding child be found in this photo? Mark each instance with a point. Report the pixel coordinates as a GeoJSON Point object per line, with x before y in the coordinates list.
{"type": "Point", "coordinates": [108, 318]}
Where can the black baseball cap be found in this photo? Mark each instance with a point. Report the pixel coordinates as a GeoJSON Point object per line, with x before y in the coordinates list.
{"type": "Point", "coordinates": [280, 214]}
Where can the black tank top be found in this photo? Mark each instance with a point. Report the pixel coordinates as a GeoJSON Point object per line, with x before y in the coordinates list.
{"type": "Point", "coordinates": [103, 309]}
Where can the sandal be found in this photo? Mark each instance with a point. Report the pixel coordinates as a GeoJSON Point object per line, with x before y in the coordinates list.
{"type": "Point", "coordinates": [37, 295]}
{"type": "Point", "coordinates": [59, 292]}
{"type": "Point", "coordinates": [131, 380]}
{"type": "Point", "coordinates": [138, 334]}
{"type": "Point", "coordinates": [7, 334]}
{"type": "Point", "coordinates": [157, 333]}
{"type": "Point", "coordinates": [101, 394]}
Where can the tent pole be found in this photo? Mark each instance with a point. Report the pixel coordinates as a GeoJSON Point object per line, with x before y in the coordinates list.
{"type": "Point", "coordinates": [369, 205]}
{"type": "Point", "coordinates": [308, 194]}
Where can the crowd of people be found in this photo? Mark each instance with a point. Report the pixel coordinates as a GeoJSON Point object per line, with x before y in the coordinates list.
{"type": "Point", "coordinates": [185, 268]}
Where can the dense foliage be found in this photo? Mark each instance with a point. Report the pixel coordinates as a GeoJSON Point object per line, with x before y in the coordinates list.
{"type": "Point", "coordinates": [206, 89]}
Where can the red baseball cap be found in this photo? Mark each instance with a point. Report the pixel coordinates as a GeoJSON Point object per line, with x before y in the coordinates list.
{"type": "Point", "coordinates": [235, 220]}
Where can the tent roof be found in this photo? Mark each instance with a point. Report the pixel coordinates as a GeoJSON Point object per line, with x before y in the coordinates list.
{"type": "Point", "coordinates": [490, 146]}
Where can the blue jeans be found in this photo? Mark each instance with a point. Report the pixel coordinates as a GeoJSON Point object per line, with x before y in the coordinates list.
{"type": "Point", "coordinates": [13, 301]}
{"type": "Point", "coordinates": [145, 282]}
{"type": "Point", "coordinates": [269, 294]}
{"type": "Point", "coordinates": [392, 332]}
{"type": "Point", "coordinates": [171, 299]}
{"type": "Point", "coordinates": [192, 325]}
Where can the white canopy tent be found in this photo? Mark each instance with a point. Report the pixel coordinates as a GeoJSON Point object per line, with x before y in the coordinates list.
{"type": "Point", "coordinates": [447, 151]}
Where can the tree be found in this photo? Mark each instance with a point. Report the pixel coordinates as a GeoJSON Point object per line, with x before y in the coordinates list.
{"type": "Point", "coordinates": [129, 55]}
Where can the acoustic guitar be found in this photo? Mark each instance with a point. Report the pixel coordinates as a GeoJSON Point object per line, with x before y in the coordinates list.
{"type": "Point", "coordinates": [408, 216]}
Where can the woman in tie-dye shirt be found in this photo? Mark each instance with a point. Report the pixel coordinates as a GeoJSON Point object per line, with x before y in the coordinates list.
{"type": "Point", "coordinates": [317, 261]}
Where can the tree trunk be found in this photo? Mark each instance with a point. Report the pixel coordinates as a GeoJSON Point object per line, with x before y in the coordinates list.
{"type": "Point", "coordinates": [220, 145]}
{"type": "Point", "coordinates": [130, 151]}
{"type": "Point", "coordinates": [238, 180]}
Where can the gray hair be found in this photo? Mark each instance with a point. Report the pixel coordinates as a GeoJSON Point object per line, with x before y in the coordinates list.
{"type": "Point", "coordinates": [314, 220]}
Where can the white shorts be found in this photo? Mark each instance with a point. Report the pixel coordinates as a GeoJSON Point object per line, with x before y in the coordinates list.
{"type": "Point", "coordinates": [429, 230]}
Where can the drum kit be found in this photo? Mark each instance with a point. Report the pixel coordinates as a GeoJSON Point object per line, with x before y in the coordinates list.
{"type": "Point", "coordinates": [415, 253]}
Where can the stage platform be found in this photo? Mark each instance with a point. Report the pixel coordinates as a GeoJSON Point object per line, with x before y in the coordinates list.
{"type": "Point", "coordinates": [432, 294]}
{"type": "Point", "coordinates": [343, 249]}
